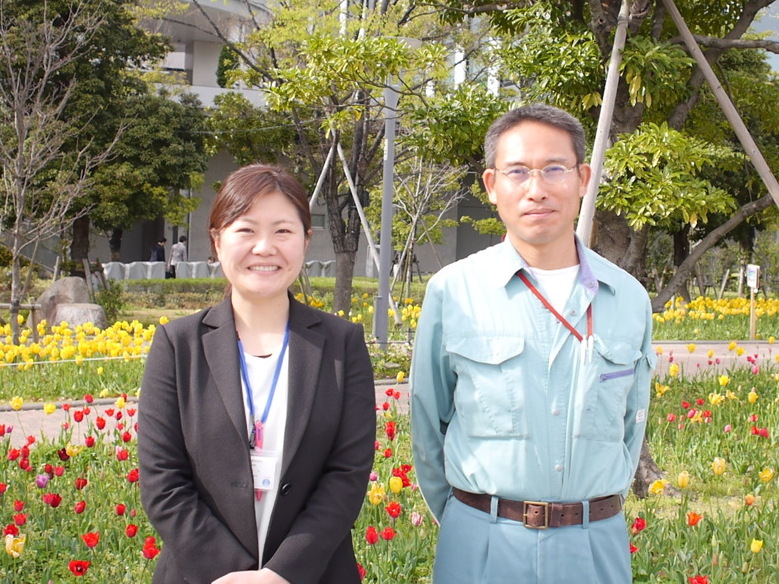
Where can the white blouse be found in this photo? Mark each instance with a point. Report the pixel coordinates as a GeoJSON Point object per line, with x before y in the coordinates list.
{"type": "Point", "coordinates": [260, 372]}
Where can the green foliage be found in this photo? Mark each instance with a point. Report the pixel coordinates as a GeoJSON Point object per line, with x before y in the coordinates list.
{"type": "Point", "coordinates": [553, 59]}
{"type": "Point", "coordinates": [111, 299]}
{"type": "Point", "coordinates": [229, 61]}
{"type": "Point", "coordinates": [654, 178]}
{"type": "Point", "coordinates": [250, 134]}
{"type": "Point", "coordinates": [655, 74]}
{"type": "Point", "coordinates": [450, 126]}
{"type": "Point", "coordinates": [160, 154]}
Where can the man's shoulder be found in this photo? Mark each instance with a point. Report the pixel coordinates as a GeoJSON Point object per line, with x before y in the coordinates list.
{"type": "Point", "coordinates": [611, 273]}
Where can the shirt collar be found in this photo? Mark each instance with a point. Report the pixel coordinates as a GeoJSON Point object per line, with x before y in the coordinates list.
{"type": "Point", "coordinates": [509, 262]}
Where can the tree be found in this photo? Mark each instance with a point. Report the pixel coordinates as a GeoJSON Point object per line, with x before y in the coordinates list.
{"type": "Point", "coordinates": [158, 159]}
{"type": "Point", "coordinates": [325, 67]}
{"type": "Point", "coordinates": [557, 52]}
{"type": "Point", "coordinates": [425, 195]}
{"type": "Point", "coordinates": [41, 180]}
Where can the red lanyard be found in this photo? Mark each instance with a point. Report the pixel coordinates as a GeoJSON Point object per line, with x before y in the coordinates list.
{"type": "Point", "coordinates": [556, 314]}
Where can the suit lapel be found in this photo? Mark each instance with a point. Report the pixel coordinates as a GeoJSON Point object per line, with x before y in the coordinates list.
{"type": "Point", "coordinates": [221, 349]}
{"type": "Point", "coordinates": [305, 357]}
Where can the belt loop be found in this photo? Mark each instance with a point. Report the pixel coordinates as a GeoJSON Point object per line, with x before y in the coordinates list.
{"type": "Point", "coordinates": [585, 514]}
{"type": "Point", "coordinates": [494, 509]}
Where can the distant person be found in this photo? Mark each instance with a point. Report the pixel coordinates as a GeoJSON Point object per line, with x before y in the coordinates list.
{"type": "Point", "coordinates": [178, 253]}
{"type": "Point", "coordinates": [530, 379]}
{"type": "Point", "coordinates": [257, 416]}
{"type": "Point", "coordinates": [158, 251]}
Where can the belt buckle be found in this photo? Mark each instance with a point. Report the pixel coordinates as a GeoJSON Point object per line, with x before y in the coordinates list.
{"type": "Point", "coordinates": [544, 504]}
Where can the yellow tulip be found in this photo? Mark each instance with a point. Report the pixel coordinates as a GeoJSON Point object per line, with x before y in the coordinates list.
{"type": "Point", "coordinates": [716, 399]}
{"type": "Point", "coordinates": [691, 347]}
{"type": "Point", "coordinates": [120, 403]}
{"type": "Point", "coordinates": [732, 345]}
{"type": "Point", "coordinates": [660, 389]}
{"type": "Point", "coordinates": [659, 351]}
{"type": "Point", "coordinates": [683, 480]}
{"type": "Point", "coordinates": [376, 494]}
{"type": "Point", "coordinates": [752, 396]}
{"type": "Point", "coordinates": [49, 408]}
{"type": "Point", "coordinates": [72, 450]}
{"type": "Point", "coordinates": [396, 484]}
{"type": "Point", "coordinates": [673, 370]}
{"type": "Point", "coordinates": [17, 403]}
{"type": "Point", "coordinates": [710, 353]}
{"type": "Point", "coordinates": [766, 474]}
{"type": "Point", "coordinates": [718, 466]}
{"type": "Point", "coordinates": [740, 351]}
{"type": "Point", "coordinates": [771, 340]}
{"type": "Point", "coordinates": [400, 377]}
{"type": "Point", "coordinates": [164, 320]}
{"type": "Point", "coordinates": [756, 546]}
{"type": "Point", "coordinates": [100, 370]}
{"type": "Point", "coordinates": [658, 486]}
{"type": "Point", "coordinates": [14, 546]}
{"type": "Point", "coordinates": [724, 380]}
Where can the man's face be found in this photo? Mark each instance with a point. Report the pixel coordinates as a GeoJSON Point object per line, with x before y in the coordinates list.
{"type": "Point", "coordinates": [539, 216]}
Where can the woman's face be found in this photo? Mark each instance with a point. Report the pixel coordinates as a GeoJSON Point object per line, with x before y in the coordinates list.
{"type": "Point", "coordinates": [262, 252]}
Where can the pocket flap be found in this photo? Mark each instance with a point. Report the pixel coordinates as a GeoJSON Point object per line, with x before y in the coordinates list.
{"type": "Point", "coordinates": [617, 352]}
{"type": "Point", "coordinates": [491, 350]}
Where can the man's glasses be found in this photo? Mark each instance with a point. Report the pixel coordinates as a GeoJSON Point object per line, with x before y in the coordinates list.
{"type": "Point", "coordinates": [553, 174]}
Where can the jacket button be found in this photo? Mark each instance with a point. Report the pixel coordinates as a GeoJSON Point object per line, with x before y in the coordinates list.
{"type": "Point", "coordinates": [286, 488]}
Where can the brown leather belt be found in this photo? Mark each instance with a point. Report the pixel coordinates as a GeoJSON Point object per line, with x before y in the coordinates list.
{"type": "Point", "coordinates": [539, 514]}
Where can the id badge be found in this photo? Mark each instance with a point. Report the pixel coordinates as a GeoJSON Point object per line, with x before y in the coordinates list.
{"type": "Point", "coordinates": [265, 470]}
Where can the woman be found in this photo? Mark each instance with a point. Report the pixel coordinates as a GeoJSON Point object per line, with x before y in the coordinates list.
{"type": "Point", "coordinates": [260, 490]}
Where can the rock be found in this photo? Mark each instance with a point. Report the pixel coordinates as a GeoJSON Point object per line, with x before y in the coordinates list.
{"type": "Point", "coordinates": [70, 290]}
{"type": "Point", "coordinates": [75, 313]}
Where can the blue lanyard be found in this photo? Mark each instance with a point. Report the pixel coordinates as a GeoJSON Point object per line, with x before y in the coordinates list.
{"type": "Point", "coordinates": [245, 376]}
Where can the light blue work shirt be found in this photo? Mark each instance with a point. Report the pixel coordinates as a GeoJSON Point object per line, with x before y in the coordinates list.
{"type": "Point", "coordinates": [502, 401]}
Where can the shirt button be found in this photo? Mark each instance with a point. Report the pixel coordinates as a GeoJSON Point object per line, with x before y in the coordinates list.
{"type": "Point", "coordinates": [555, 412]}
{"type": "Point", "coordinates": [558, 467]}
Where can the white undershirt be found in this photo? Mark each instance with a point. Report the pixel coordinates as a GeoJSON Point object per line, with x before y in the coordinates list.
{"type": "Point", "coordinates": [260, 371]}
{"type": "Point", "coordinates": [556, 285]}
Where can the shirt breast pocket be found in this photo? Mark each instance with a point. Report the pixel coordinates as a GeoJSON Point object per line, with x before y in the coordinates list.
{"type": "Point", "coordinates": [489, 402]}
{"type": "Point", "coordinates": [607, 381]}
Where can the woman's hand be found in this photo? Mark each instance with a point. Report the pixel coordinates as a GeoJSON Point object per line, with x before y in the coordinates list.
{"type": "Point", "coordinates": [264, 576]}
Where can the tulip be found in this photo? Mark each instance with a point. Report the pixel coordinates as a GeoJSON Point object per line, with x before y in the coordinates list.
{"type": "Point", "coordinates": [752, 396]}
{"type": "Point", "coordinates": [673, 370]}
{"type": "Point", "coordinates": [724, 380]}
{"type": "Point", "coordinates": [766, 474]}
{"type": "Point", "coordinates": [17, 403]}
{"type": "Point", "coordinates": [658, 486]}
{"type": "Point", "coordinates": [756, 546]}
{"type": "Point", "coordinates": [691, 347]}
{"type": "Point", "coordinates": [693, 518]}
{"type": "Point", "coordinates": [376, 494]}
{"type": "Point", "coordinates": [49, 408]}
{"type": "Point", "coordinates": [14, 546]}
{"type": "Point", "coordinates": [718, 466]}
{"type": "Point", "coordinates": [683, 480]}
{"type": "Point", "coordinates": [396, 484]}
{"type": "Point", "coordinates": [749, 500]}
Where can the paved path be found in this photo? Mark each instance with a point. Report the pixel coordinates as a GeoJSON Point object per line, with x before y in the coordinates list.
{"type": "Point", "coordinates": [31, 420]}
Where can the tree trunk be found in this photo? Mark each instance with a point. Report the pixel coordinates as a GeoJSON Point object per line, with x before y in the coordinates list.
{"type": "Point", "coordinates": [115, 244]}
{"type": "Point", "coordinates": [344, 273]}
{"type": "Point", "coordinates": [79, 245]}
{"type": "Point", "coordinates": [646, 473]}
{"type": "Point", "coordinates": [681, 252]}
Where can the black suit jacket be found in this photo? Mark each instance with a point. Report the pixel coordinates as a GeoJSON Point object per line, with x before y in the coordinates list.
{"type": "Point", "coordinates": [196, 481]}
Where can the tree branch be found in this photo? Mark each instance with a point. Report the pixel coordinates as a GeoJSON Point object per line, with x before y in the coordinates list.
{"type": "Point", "coordinates": [684, 271]}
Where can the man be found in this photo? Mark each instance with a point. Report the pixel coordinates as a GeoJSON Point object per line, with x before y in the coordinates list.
{"type": "Point", "coordinates": [158, 251]}
{"type": "Point", "coordinates": [530, 379]}
{"type": "Point", "coordinates": [178, 253]}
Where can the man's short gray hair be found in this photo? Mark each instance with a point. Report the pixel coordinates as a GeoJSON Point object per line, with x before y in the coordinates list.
{"type": "Point", "coordinates": [542, 114]}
